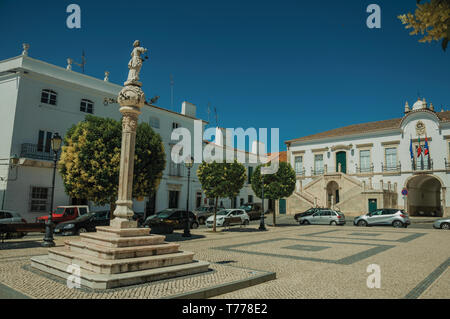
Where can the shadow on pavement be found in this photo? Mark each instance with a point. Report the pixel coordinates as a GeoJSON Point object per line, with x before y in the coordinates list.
{"type": "Point", "coordinates": [241, 230]}
{"type": "Point", "coordinates": [178, 237]}
{"type": "Point", "coordinates": [19, 244]}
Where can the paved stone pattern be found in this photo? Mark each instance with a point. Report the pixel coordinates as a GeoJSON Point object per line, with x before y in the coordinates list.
{"type": "Point", "coordinates": [16, 273]}
{"type": "Point", "coordinates": [413, 262]}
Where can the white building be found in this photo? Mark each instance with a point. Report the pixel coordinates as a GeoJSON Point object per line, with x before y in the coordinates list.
{"type": "Point", "coordinates": [39, 99]}
{"type": "Point", "coordinates": [362, 167]}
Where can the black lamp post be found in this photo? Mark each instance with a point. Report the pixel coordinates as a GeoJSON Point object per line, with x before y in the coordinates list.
{"type": "Point", "coordinates": [187, 227]}
{"type": "Point", "coordinates": [56, 142]}
{"type": "Point", "coordinates": [262, 227]}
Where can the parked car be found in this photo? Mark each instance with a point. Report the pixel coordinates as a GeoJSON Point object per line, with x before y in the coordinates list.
{"type": "Point", "coordinates": [139, 217]}
{"type": "Point", "coordinates": [442, 224]}
{"type": "Point", "coordinates": [65, 213]}
{"type": "Point", "coordinates": [82, 224]}
{"type": "Point", "coordinates": [169, 219]}
{"type": "Point", "coordinates": [228, 217]}
{"type": "Point", "coordinates": [203, 212]}
{"type": "Point", "coordinates": [386, 216]}
{"type": "Point", "coordinates": [11, 217]}
{"type": "Point", "coordinates": [324, 217]}
{"type": "Point", "coordinates": [307, 213]}
{"type": "Point", "coordinates": [253, 210]}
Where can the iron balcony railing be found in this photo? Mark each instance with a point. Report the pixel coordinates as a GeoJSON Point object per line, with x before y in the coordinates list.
{"type": "Point", "coordinates": [362, 170]}
{"type": "Point", "coordinates": [422, 165]}
{"type": "Point", "coordinates": [318, 171]}
{"type": "Point", "coordinates": [389, 168]}
{"type": "Point", "coordinates": [175, 170]}
{"type": "Point", "coordinates": [300, 172]}
{"type": "Point", "coordinates": [35, 151]}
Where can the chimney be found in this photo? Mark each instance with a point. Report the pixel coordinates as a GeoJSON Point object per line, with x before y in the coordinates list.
{"type": "Point", "coordinates": [188, 109]}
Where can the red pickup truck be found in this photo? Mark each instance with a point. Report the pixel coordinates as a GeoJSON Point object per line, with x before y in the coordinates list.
{"type": "Point", "coordinates": [65, 213]}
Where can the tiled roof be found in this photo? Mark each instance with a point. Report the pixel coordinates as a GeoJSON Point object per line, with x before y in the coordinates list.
{"type": "Point", "coordinates": [363, 128]}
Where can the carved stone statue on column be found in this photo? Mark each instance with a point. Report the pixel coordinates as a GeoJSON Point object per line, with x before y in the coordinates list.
{"type": "Point", "coordinates": [135, 64]}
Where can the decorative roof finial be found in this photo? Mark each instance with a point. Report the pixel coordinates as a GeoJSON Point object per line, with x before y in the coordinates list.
{"type": "Point", "coordinates": [106, 79]}
{"type": "Point", "coordinates": [69, 64]}
{"type": "Point", "coordinates": [407, 107]}
{"type": "Point", "coordinates": [25, 46]}
{"type": "Point", "coordinates": [431, 107]}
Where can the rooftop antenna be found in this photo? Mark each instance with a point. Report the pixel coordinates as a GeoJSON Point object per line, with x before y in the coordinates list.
{"type": "Point", "coordinates": [209, 111]}
{"type": "Point", "coordinates": [83, 61]}
{"type": "Point", "coordinates": [171, 91]}
{"type": "Point", "coordinates": [215, 113]}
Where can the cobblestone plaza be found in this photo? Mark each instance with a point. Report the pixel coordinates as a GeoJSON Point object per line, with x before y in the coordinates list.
{"type": "Point", "coordinates": [285, 262]}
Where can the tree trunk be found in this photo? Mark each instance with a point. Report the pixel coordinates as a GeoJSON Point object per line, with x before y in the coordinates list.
{"type": "Point", "coordinates": [215, 215]}
{"type": "Point", "coordinates": [274, 213]}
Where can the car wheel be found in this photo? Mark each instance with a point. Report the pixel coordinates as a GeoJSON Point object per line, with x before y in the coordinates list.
{"type": "Point", "coordinates": [82, 230]}
{"type": "Point", "coordinates": [306, 222]}
{"type": "Point", "coordinates": [362, 223]}
{"type": "Point", "coordinates": [445, 226]}
{"type": "Point", "coordinates": [201, 220]}
{"type": "Point", "coordinates": [397, 224]}
{"type": "Point", "coordinates": [226, 224]}
{"type": "Point", "coordinates": [246, 222]}
{"type": "Point", "coordinates": [194, 225]}
{"type": "Point", "coordinates": [333, 223]}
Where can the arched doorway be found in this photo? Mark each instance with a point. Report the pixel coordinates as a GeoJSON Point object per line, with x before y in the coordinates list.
{"type": "Point", "coordinates": [341, 158]}
{"type": "Point", "coordinates": [332, 194]}
{"type": "Point", "coordinates": [424, 196]}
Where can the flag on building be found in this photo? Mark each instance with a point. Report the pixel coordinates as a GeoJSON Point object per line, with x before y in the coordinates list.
{"type": "Point", "coordinates": [419, 149]}
{"type": "Point", "coordinates": [411, 152]}
{"type": "Point", "coordinates": [426, 149]}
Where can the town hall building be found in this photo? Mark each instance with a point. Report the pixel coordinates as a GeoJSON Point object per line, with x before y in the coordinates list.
{"type": "Point", "coordinates": [399, 163]}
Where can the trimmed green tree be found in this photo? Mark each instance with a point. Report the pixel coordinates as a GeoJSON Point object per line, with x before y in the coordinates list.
{"type": "Point", "coordinates": [221, 180]}
{"type": "Point", "coordinates": [276, 186]}
{"type": "Point", "coordinates": [90, 160]}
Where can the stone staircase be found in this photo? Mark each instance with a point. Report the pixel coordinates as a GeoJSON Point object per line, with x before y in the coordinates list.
{"type": "Point", "coordinates": [114, 257]}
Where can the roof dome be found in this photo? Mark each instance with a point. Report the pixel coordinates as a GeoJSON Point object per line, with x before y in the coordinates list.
{"type": "Point", "coordinates": [419, 105]}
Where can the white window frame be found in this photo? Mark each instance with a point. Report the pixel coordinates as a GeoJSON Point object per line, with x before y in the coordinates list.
{"type": "Point", "coordinates": [50, 94]}
{"type": "Point", "coordinates": [85, 104]}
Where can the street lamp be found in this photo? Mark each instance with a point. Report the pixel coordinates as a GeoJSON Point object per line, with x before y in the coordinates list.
{"type": "Point", "coordinates": [56, 142]}
{"type": "Point", "coordinates": [262, 227]}
{"type": "Point", "coordinates": [189, 162]}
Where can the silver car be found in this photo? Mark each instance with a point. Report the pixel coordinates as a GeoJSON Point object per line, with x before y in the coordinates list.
{"type": "Point", "coordinates": [324, 217]}
{"type": "Point", "coordinates": [442, 224]}
{"type": "Point", "coordinates": [228, 217]}
{"type": "Point", "coordinates": [10, 217]}
{"type": "Point", "coordinates": [382, 217]}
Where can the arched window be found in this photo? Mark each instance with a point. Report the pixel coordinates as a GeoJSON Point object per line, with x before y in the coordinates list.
{"type": "Point", "coordinates": [87, 106]}
{"type": "Point", "coordinates": [48, 97]}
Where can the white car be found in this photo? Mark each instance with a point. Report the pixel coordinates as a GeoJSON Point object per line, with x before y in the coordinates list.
{"type": "Point", "coordinates": [228, 217]}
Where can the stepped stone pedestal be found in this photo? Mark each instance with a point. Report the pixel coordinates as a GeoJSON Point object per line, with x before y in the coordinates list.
{"type": "Point", "coordinates": [114, 257]}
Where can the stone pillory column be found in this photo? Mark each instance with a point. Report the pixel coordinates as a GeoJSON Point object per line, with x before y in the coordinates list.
{"type": "Point", "coordinates": [131, 99]}
{"type": "Point", "coordinates": [122, 254]}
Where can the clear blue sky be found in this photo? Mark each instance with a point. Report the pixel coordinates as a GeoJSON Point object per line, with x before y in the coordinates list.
{"type": "Point", "coordinates": [302, 66]}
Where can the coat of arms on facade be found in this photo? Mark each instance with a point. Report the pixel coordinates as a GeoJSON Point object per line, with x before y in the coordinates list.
{"type": "Point", "coordinates": [420, 128]}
